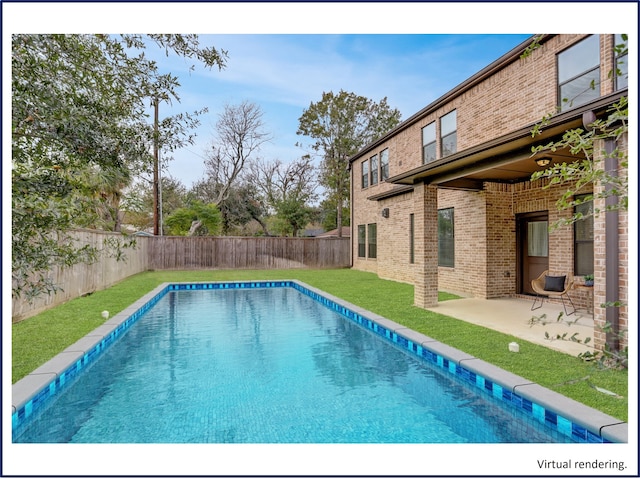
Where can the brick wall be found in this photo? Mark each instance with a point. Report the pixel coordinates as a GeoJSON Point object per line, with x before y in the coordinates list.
{"type": "Point", "coordinates": [501, 234]}
{"type": "Point", "coordinates": [393, 240]}
{"type": "Point", "coordinates": [469, 274]}
{"type": "Point", "coordinates": [516, 96]}
{"type": "Point", "coordinates": [485, 238]}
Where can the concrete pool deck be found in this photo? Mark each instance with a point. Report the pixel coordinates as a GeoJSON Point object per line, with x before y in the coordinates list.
{"type": "Point", "coordinates": [512, 316]}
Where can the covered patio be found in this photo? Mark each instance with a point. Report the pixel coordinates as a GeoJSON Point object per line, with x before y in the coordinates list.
{"type": "Point", "coordinates": [512, 316]}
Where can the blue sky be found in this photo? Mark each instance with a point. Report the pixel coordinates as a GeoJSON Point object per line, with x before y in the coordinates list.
{"type": "Point", "coordinates": [284, 73]}
{"type": "Point", "coordinates": [283, 56]}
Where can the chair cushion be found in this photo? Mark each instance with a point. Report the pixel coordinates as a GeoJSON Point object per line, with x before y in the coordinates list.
{"type": "Point", "coordinates": [554, 283]}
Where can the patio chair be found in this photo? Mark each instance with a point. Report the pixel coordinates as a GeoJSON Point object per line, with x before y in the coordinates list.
{"type": "Point", "coordinates": [552, 287]}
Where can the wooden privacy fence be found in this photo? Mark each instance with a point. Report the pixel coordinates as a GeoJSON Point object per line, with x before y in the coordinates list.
{"type": "Point", "coordinates": [178, 252]}
{"type": "Point", "coordinates": [82, 279]}
{"type": "Point", "coordinates": [206, 252]}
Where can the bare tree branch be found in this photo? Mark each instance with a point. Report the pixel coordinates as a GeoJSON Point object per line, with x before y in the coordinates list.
{"type": "Point", "coordinates": [240, 133]}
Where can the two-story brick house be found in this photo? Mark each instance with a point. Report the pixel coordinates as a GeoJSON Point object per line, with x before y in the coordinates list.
{"type": "Point", "coordinates": [445, 200]}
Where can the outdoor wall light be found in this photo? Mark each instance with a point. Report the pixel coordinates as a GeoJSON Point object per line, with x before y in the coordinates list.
{"type": "Point", "coordinates": [588, 117]}
{"type": "Point", "coordinates": [544, 161]}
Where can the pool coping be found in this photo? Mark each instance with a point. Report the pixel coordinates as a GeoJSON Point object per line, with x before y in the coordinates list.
{"type": "Point", "coordinates": [43, 381]}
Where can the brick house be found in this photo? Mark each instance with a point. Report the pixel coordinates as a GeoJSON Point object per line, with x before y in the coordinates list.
{"type": "Point", "coordinates": [445, 200]}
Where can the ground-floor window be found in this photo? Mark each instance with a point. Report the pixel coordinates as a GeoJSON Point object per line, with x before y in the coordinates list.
{"type": "Point", "coordinates": [362, 241]}
{"type": "Point", "coordinates": [412, 239]}
{"type": "Point", "coordinates": [445, 237]}
{"type": "Point", "coordinates": [583, 236]}
{"type": "Point", "coordinates": [372, 230]}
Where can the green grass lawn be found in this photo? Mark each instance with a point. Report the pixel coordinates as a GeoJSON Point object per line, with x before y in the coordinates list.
{"type": "Point", "coordinates": [38, 339]}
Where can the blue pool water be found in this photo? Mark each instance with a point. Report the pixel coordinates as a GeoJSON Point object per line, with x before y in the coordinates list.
{"type": "Point", "coordinates": [268, 366]}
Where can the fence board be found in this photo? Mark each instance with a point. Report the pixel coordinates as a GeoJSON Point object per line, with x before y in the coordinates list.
{"type": "Point", "coordinates": [81, 279]}
{"type": "Point", "coordinates": [178, 252]}
{"type": "Point", "coordinates": [207, 252]}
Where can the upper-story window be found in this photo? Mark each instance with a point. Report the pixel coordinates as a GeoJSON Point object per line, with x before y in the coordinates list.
{"type": "Point", "coordinates": [622, 62]}
{"type": "Point", "coordinates": [384, 164]}
{"type": "Point", "coordinates": [448, 134]}
{"type": "Point", "coordinates": [579, 73]}
{"type": "Point", "coordinates": [374, 169]}
{"type": "Point", "coordinates": [429, 143]}
{"type": "Point", "coordinates": [365, 173]}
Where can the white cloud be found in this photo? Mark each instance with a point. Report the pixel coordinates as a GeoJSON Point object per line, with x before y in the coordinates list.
{"type": "Point", "coordinates": [285, 73]}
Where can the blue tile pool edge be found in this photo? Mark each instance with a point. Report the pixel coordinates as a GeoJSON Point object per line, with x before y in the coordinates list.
{"type": "Point", "coordinates": [570, 418]}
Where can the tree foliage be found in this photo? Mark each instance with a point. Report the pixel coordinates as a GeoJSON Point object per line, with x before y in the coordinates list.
{"type": "Point", "coordinates": [288, 189]}
{"type": "Point", "coordinates": [584, 175]}
{"type": "Point", "coordinates": [137, 200]}
{"type": "Point", "coordinates": [197, 219]}
{"type": "Point", "coordinates": [328, 214]}
{"type": "Point", "coordinates": [80, 133]}
{"type": "Point", "coordinates": [243, 205]}
{"type": "Point", "coordinates": [581, 175]}
{"type": "Point", "coordinates": [340, 125]}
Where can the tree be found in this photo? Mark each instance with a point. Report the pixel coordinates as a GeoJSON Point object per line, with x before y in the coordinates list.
{"type": "Point", "coordinates": [108, 184]}
{"type": "Point", "coordinates": [197, 219]}
{"type": "Point", "coordinates": [341, 125]}
{"type": "Point", "coordinates": [239, 134]}
{"type": "Point", "coordinates": [287, 188]}
{"type": "Point", "coordinates": [328, 214]}
{"type": "Point", "coordinates": [243, 205]}
{"type": "Point", "coordinates": [137, 200]}
{"type": "Point", "coordinates": [580, 175]}
{"type": "Point", "coordinates": [79, 113]}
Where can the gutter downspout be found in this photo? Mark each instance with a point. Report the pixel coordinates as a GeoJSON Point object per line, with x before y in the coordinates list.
{"type": "Point", "coordinates": [353, 233]}
{"type": "Point", "coordinates": [612, 250]}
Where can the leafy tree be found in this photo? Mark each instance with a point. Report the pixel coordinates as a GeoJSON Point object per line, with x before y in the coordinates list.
{"type": "Point", "coordinates": [79, 134]}
{"type": "Point", "coordinates": [328, 214]}
{"type": "Point", "coordinates": [340, 126]}
{"type": "Point", "coordinates": [580, 175]}
{"type": "Point", "coordinates": [287, 188]}
{"type": "Point", "coordinates": [137, 200]}
{"type": "Point", "coordinates": [243, 205]}
{"type": "Point", "coordinates": [197, 219]}
{"type": "Point", "coordinates": [295, 215]}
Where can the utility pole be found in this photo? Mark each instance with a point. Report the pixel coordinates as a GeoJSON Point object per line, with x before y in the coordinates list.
{"type": "Point", "coordinates": [156, 172]}
{"type": "Point", "coordinates": [160, 192]}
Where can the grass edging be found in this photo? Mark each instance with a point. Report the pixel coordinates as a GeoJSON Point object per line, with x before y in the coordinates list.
{"type": "Point", "coordinates": [38, 339]}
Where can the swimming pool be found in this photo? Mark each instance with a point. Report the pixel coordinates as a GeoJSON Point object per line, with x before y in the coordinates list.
{"type": "Point", "coordinates": [280, 362]}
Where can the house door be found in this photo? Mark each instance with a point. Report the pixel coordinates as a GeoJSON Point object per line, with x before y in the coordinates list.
{"type": "Point", "coordinates": [533, 248]}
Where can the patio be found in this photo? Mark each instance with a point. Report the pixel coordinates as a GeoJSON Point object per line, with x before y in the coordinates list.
{"type": "Point", "coordinates": [512, 315]}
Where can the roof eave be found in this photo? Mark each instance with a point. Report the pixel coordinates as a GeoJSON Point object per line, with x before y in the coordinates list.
{"type": "Point", "coordinates": [513, 141]}
{"type": "Point", "coordinates": [509, 57]}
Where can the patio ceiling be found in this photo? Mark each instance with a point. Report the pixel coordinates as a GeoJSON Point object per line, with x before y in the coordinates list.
{"type": "Point", "coordinates": [507, 159]}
